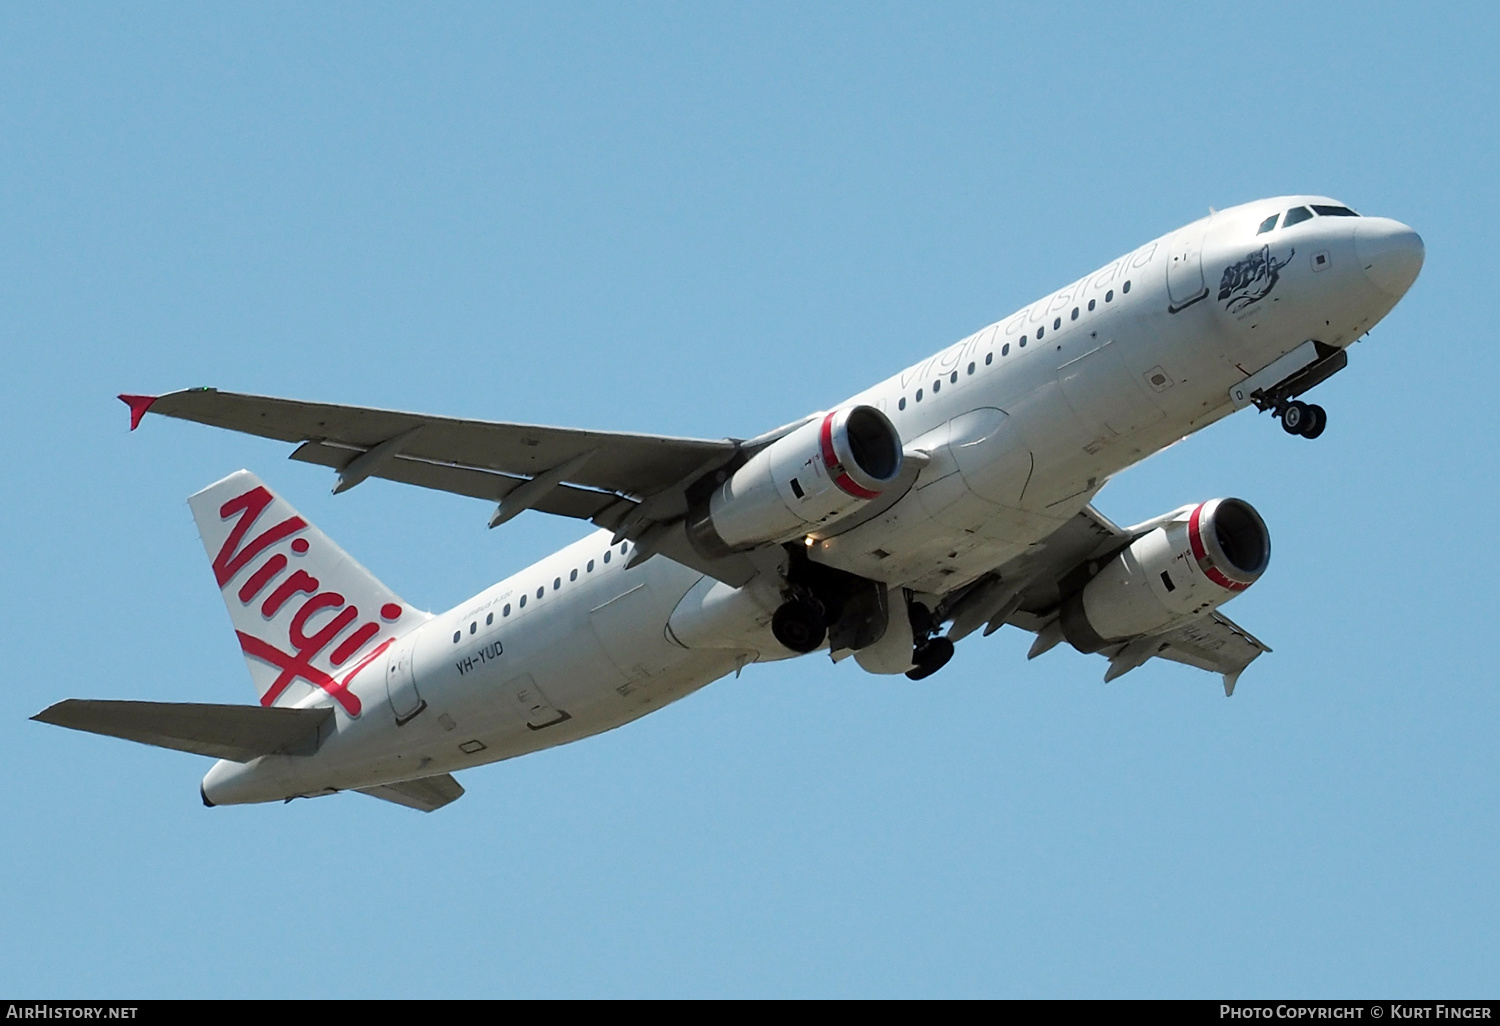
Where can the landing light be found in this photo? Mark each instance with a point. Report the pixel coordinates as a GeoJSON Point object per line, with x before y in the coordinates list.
{"type": "Point", "coordinates": [810, 541]}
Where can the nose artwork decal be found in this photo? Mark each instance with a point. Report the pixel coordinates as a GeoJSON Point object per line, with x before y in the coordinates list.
{"type": "Point", "coordinates": [1251, 279]}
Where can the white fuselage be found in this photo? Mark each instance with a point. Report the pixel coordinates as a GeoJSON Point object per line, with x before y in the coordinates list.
{"type": "Point", "coordinates": [1021, 424]}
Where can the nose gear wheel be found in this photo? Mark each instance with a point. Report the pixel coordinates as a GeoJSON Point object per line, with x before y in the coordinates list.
{"type": "Point", "coordinates": [1305, 419]}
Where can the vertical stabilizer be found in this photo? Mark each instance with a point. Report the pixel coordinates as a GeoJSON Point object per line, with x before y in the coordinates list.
{"type": "Point", "coordinates": [307, 615]}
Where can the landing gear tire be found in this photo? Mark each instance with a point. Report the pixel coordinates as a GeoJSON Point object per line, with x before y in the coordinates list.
{"type": "Point", "coordinates": [799, 625]}
{"type": "Point", "coordinates": [1317, 420]}
{"type": "Point", "coordinates": [1295, 418]}
{"type": "Point", "coordinates": [930, 656]}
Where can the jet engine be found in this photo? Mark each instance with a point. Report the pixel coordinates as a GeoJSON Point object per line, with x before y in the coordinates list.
{"type": "Point", "coordinates": [1196, 560]}
{"type": "Point", "coordinates": [824, 469]}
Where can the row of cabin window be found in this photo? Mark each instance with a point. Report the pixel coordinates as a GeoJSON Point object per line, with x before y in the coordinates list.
{"type": "Point", "coordinates": [1041, 333]}
{"type": "Point", "coordinates": [489, 618]}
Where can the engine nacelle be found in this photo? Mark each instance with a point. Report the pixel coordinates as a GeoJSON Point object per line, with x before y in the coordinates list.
{"type": "Point", "coordinates": [826, 468]}
{"type": "Point", "coordinates": [1197, 560]}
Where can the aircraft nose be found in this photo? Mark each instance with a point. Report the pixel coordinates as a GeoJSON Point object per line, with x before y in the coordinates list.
{"type": "Point", "coordinates": [1390, 252]}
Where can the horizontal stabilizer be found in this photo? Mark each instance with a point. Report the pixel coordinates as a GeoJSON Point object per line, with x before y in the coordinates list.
{"type": "Point", "coordinates": [423, 794]}
{"type": "Point", "coordinates": [236, 732]}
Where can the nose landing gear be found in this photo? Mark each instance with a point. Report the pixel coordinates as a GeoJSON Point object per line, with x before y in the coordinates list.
{"type": "Point", "coordinates": [1297, 417]}
{"type": "Point", "coordinates": [1305, 419]}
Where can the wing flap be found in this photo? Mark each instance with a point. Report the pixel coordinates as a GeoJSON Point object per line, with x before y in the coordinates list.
{"type": "Point", "coordinates": [564, 500]}
{"type": "Point", "coordinates": [423, 794]}
{"type": "Point", "coordinates": [1214, 643]}
{"type": "Point", "coordinates": [236, 732]}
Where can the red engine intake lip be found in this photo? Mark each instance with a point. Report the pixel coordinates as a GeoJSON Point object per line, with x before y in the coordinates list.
{"type": "Point", "coordinates": [836, 471]}
{"type": "Point", "coordinates": [1205, 561]}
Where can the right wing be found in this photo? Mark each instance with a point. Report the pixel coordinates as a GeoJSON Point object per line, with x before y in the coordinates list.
{"type": "Point", "coordinates": [634, 485]}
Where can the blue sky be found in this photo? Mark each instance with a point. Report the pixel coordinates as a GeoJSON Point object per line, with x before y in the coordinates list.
{"type": "Point", "coordinates": [707, 221]}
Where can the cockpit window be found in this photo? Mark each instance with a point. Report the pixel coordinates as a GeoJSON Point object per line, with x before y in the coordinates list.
{"type": "Point", "coordinates": [1327, 211]}
{"type": "Point", "coordinates": [1296, 216]}
{"type": "Point", "coordinates": [1267, 224]}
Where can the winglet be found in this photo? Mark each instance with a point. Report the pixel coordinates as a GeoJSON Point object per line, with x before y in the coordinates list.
{"type": "Point", "coordinates": [138, 404]}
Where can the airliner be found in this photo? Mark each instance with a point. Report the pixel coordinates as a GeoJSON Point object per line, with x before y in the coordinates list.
{"type": "Point", "coordinates": [952, 498]}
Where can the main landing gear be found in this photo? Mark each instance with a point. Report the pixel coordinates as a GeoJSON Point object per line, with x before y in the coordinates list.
{"type": "Point", "coordinates": [1305, 419]}
{"type": "Point", "coordinates": [800, 624]}
{"type": "Point", "coordinates": [929, 656]}
{"type": "Point", "coordinates": [930, 653]}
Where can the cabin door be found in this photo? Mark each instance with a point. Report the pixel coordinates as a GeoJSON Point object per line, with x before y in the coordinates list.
{"type": "Point", "coordinates": [1185, 284]}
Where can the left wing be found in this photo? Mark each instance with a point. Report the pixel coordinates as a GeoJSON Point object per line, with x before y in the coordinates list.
{"type": "Point", "coordinates": [1028, 590]}
{"type": "Point", "coordinates": [635, 485]}
{"type": "Point", "coordinates": [1215, 643]}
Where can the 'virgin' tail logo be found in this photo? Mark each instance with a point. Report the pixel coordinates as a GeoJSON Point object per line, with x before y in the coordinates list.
{"type": "Point", "coordinates": [273, 581]}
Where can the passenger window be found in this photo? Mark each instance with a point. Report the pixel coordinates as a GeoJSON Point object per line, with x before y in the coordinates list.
{"type": "Point", "coordinates": [556, 583]}
{"type": "Point", "coordinates": [937, 386]}
{"type": "Point", "coordinates": [506, 610]}
{"type": "Point", "coordinates": [953, 378]}
{"type": "Point", "coordinates": [1125, 288]}
{"type": "Point", "coordinates": [1074, 315]}
{"type": "Point", "coordinates": [1039, 333]}
{"type": "Point", "coordinates": [1005, 349]}
{"type": "Point", "coordinates": [1296, 216]}
{"type": "Point", "coordinates": [489, 619]}
{"type": "Point", "coordinates": [1056, 323]}
{"type": "Point", "coordinates": [989, 358]}
{"type": "Point", "coordinates": [541, 591]}
{"type": "Point", "coordinates": [1327, 211]}
{"type": "Point", "coordinates": [971, 368]}
{"type": "Point", "coordinates": [919, 395]}
{"type": "Point", "coordinates": [1092, 304]}
{"type": "Point", "coordinates": [473, 626]}
{"type": "Point", "coordinates": [902, 404]}
{"type": "Point", "coordinates": [523, 601]}
{"type": "Point", "coordinates": [456, 636]}
{"type": "Point", "coordinates": [573, 574]}
{"type": "Point", "coordinates": [1109, 297]}
{"type": "Point", "coordinates": [1267, 224]}
{"type": "Point", "coordinates": [590, 568]}
{"type": "Point", "coordinates": [606, 555]}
